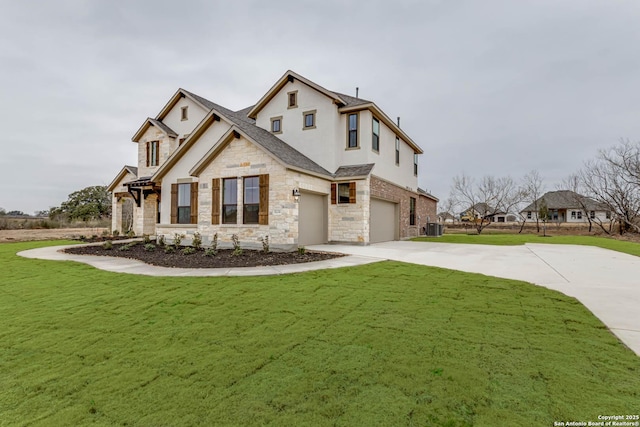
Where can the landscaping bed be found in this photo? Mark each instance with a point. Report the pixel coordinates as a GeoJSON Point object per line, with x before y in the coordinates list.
{"type": "Point", "coordinates": [188, 257]}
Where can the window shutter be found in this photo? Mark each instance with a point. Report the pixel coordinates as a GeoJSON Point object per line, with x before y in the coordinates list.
{"type": "Point", "coordinates": [157, 160]}
{"type": "Point", "coordinates": [352, 192]}
{"type": "Point", "coordinates": [194, 203]}
{"type": "Point", "coordinates": [148, 153]}
{"type": "Point", "coordinates": [174, 203]}
{"type": "Point", "coordinates": [263, 210]}
{"type": "Point", "coordinates": [215, 201]}
{"type": "Point", "coordinates": [333, 194]}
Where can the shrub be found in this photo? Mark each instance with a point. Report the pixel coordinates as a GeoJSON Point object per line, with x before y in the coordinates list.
{"type": "Point", "coordinates": [214, 243]}
{"type": "Point", "coordinates": [302, 250]}
{"type": "Point", "coordinates": [169, 249]}
{"type": "Point", "coordinates": [188, 251]}
{"type": "Point", "coordinates": [94, 237]}
{"type": "Point", "coordinates": [146, 239]}
{"type": "Point", "coordinates": [108, 245]}
{"type": "Point", "coordinates": [149, 247]}
{"type": "Point", "coordinates": [237, 250]}
{"type": "Point", "coordinates": [125, 247]}
{"type": "Point", "coordinates": [177, 239]}
{"type": "Point", "coordinates": [210, 252]}
{"type": "Point", "coordinates": [116, 233]}
{"type": "Point", "coordinates": [131, 234]}
{"type": "Point", "coordinates": [196, 242]}
{"type": "Point", "coordinates": [265, 244]}
{"type": "Point", "coordinates": [160, 240]}
{"type": "Point", "coordinates": [105, 233]}
{"type": "Point", "coordinates": [82, 237]}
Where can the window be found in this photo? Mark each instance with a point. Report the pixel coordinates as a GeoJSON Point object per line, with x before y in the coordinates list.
{"type": "Point", "coordinates": [352, 130]}
{"type": "Point", "coordinates": [573, 214]}
{"type": "Point", "coordinates": [276, 124]}
{"type": "Point", "coordinates": [153, 153]}
{"type": "Point", "coordinates": [579, 214]}
{"type": "Point", "coordinates": [293, 99]}
{"type": "Point", "coordinates": [415, 164]}
{"type": "Point", "coordinates": [608, 214]}
{"type": "Point", "coordinates": [251, 204]}
{"type": "Point", "coordinates": [412, 211]}
{"type": "Point", "coordinates": [344, 192]}
{"type": "Point", "coordinates": [528, 214]}
{"type": "Point", "coordinates": [375, 135]}
{"type": "Point", "coordinates": [229, 201]}
{"type": "Point", "coordinates": [184, 203]}
{"type": "Point", "coordinates": [309, 120]}
{"type": "Point", "coordinates": [592, 214]}
{"type": "Point", "coordinates": [184, 113]}
{"type": "Point", "coordinates": [397, 151]}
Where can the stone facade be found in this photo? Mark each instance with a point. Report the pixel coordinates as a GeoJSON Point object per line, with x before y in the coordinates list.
{"type": "Point", "coordinates": [349, 222]}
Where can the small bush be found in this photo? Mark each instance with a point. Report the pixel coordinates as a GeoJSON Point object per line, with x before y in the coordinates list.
{"type": "Point", "coordinates": [105, 233]}
{"type": "Point", "coordinates": [237, 252]}
{"type": "Point", "coordinates": [108, 245]}
{"type": "Point", "coordinates": [196, 242]}
{"type": "Point", "coordinates": [214, 243]}
{"type": "Point", "coordinates": [131, 234]}
{"type": "Point", "coordinates": [302, 250]}
{"type": "Point", "coordinates": [265, 244]}
{"type": "Point", "coordinates": [116, 233]}
{"type": "Point", "coordinates": [125, 247]}
{"type": "Point", "coordinates": [160, 240]}
{"type": "Point", "coordinates": [149, 247]}
{"type": "Point", "coordinates": [82, 237]}
{"type": "Point", "coordinates": [169, 250]}
{"type": "Point", "coordinates": [235, 241]}
{"type": "Point", "coordinates": [188, 251]}
{"type": "Point", "coordinates": [177, 239]}
{"type": "Point", "coordinates": [210, 252]}
{"type": "Point", "coordinates": [94, 237]}
{"type": "Point", "coordinates": [146, 239]}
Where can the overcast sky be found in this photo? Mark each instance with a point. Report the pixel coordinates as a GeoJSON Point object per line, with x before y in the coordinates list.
{"type": "Point", "coordinates": [484, 87]}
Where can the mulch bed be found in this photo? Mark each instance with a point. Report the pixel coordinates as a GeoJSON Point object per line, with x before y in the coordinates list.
{"type": "Point", "coordinates": [224, 258]}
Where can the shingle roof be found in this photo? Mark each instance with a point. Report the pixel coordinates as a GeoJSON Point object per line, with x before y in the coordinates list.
{"type": "Point", "coordinates": [431, 196]}
{"type": "Point", "coordinates": [166, 129]}
{"type": "Point", "coordinates": [132, 169]}
{"type": "Point", "coordinates": [565, 199]}
{"type": "Point", "coordinates": [351, 100]}
{"type": "Point", "coordinates": [353, 170]}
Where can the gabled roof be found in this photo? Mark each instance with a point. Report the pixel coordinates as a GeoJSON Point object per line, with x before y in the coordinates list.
{"type": "Point", "coordinates": [286, 78]}
{"type": "Point", "coordinates": [353, 171]}
{"type": "Point", "coordinates": [566, 199]}
{"type": "Point", "coordinates": [153, 122]}
{"type": "Point", "coordinates": [427, 194]}
{"type": "Point", "coordinates": [181, 93]}
{"type": "Point", "coordinates": [123, 172]}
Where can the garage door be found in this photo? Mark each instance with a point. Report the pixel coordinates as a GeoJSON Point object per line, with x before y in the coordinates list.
{"type": "Point", "coordinates": [383, 222]}
{"type": "Point", "coordinates": [312, 219]}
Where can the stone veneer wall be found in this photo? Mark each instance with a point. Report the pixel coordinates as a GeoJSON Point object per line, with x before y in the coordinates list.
{"type": "Point", "coordinates": [424, 207]}
{"type": "Point", "coordinates": [349, 222]}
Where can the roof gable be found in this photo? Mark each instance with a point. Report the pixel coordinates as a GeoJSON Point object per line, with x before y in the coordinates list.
{"type": "Point", "coordinates": [123, 172]}
{"type": "Point", "coordinates": [565, 199]}
{"type": "Point", "coordinates": [156, 123]}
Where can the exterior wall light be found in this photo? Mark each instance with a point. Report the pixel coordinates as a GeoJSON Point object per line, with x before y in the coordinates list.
{"type": "Point", "coordinates": [296, 194]}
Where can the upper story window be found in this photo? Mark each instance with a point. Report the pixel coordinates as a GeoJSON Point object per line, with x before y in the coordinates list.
{"type": "Point", "coordinates": [292, 99]}
{"type": "Point", "coordinates": [229, 201]}
{"type": "Point", "coordinates": [276, 124]}
{"type": "Point", "coordinates": [251, 205]}
{"type": "Point", "coordinates": [352, 130]}
{"type": "Point", "coordinates": [415, 164]}
{"type": "Point", "coordinates": [153, 153]}
{"type": "Point", "coordinates": [412, 211]}
{"type": "Point", "coordinates": [375, 135]}
{"type": "Point", "coordinates": [309, 118]}
{"type": "Point", "coordinates": [397, 151]}
{"type": "Point", "coordinates": [184, 113]}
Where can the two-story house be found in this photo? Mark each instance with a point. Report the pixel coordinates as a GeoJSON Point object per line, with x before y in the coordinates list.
{"type": "Point", "coordinates": [304, 165]}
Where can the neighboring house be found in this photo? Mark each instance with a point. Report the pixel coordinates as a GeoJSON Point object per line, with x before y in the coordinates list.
{"type": "Point", "coordinates": [487, 212]}
{"type": "Point", "coordinates": [446, 218]}
{"type": "Point", "coordinates": [568, 206]}
{"type": "Point", "coordinates": [304, 165]}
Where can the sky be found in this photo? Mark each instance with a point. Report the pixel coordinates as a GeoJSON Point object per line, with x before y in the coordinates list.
{"type": "Point", "coordinates": [491, 87]}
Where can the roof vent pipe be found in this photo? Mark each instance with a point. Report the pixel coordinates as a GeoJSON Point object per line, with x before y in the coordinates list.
{"type": "Point", "coordinates": [357, 90]}
{"type": "Point", "coordinates": [398, 121]}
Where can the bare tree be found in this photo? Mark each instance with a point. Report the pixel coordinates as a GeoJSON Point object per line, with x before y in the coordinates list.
{"type": "Point", "coordinates": [533, 188]}
{"type": "Point", "coordinates": [485, 199]}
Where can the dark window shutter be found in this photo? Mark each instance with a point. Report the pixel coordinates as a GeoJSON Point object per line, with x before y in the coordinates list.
{"type": "Point", "coordinates": [194, 203]}
{"type": "Point", "coordinates": [157, 153]}
{"type": "Point", "coordinates": [263, 210]}
{"type": "Point", "coordinates": [174, 203]}
{"type": "Point", "coordinates": [352, 192]}
{"type": "Point", "coordinates": [148, 147]}
{"type": "Point", "coordinates": [333, 194]}
{"type": "Point", "coordinates": [215, 201]}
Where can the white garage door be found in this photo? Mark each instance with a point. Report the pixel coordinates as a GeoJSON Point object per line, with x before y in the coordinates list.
{"type": "Point", "coordinates": [312, 219]}
{"type": "Point", "coordinates": [383, 221]}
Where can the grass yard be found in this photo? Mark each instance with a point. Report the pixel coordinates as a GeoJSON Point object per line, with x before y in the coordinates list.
{"type": "Point", "coordinates": [387, 344]}
{"type": "Point", "coordinates": [520, 239]}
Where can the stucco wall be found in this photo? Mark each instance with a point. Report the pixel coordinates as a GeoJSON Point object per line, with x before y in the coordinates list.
{"type": "Point", "coordinates": [182, 127]}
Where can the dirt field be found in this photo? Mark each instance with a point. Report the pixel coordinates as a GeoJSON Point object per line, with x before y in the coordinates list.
{"type": "Point", "coordinates": [47, 234]}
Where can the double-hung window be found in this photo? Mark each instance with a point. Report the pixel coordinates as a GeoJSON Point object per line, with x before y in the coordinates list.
{"type": "Point", "coordinates": [184, 203]}
{"type": "Point", "coordinates": [230, 201]}
{"type": "Point", "coordinates": [412, 211]}
{"type": "Point", "coordinates": [352, 130]}
{"type": "Point", "coordinates": [153, 153]}
{"type": "Point", "coordinates": [375, 135]}
{"type": "Point", "coordinates": [276, 124]}
{"type": "Point", "coordinates": [251, 205]}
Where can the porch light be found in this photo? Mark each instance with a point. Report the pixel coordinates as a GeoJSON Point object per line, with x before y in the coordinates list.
{"type": "Point", "coordinates": [296, 194]}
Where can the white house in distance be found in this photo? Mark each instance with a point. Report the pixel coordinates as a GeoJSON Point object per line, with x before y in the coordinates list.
{"type": "Point", "coordinates": [304, 165]}
{"type": "Point", "coordinates": [568, 206]}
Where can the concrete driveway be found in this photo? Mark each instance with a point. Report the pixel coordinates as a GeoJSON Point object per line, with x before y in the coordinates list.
{"type": "Point", "coordinates": [606, 282]}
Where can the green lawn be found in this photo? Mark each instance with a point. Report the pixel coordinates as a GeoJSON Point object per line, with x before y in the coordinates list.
{"type": "Point", "coordinates": [384, 344]}
{"type": "Point", "coordinates": [521, 239]}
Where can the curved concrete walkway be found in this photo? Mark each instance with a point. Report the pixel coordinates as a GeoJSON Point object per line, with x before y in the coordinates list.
{"type": "Point", "coordinates": [606, 282]}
